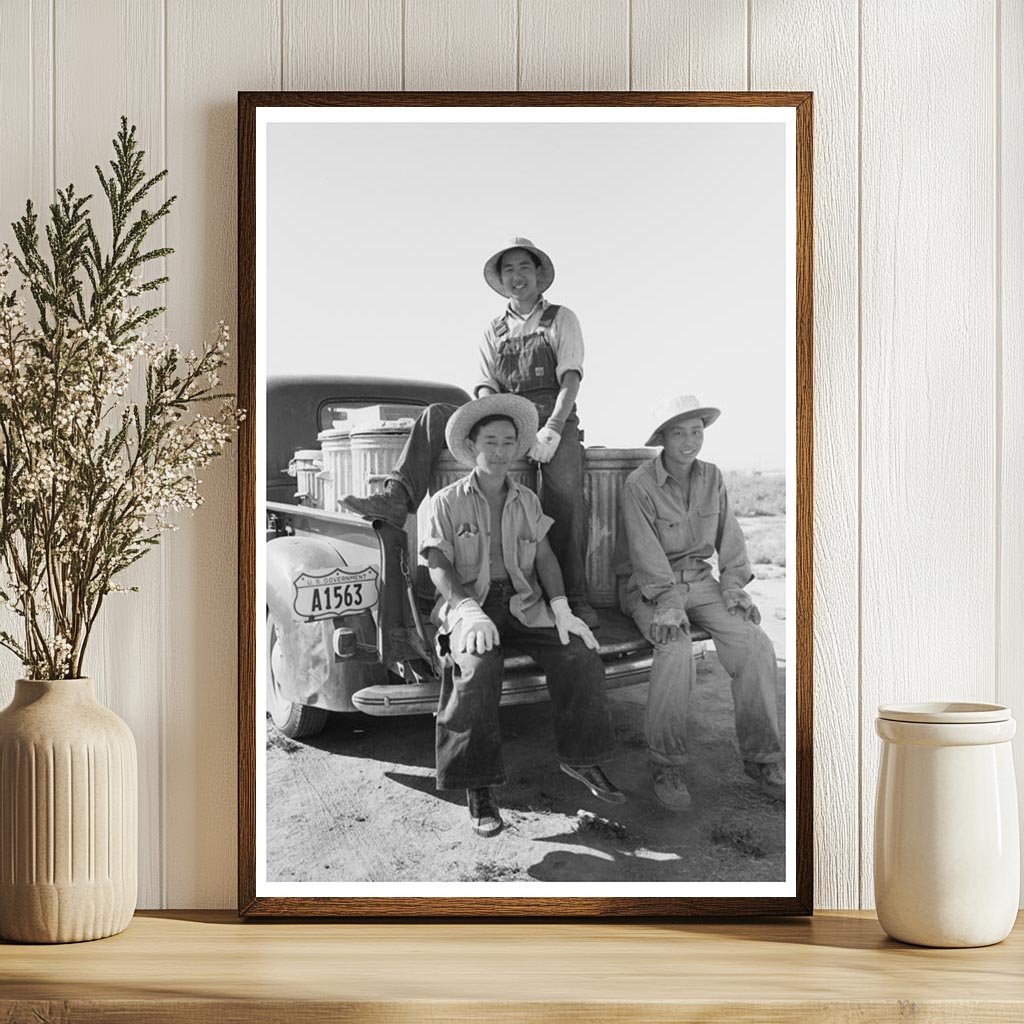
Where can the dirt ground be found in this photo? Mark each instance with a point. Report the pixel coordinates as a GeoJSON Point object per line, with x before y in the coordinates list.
{"type": "Point", "coordinates": [358, 803]}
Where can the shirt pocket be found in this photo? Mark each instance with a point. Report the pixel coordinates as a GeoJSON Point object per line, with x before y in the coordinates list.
{"type": "Point", "coordinates": [467, 555]}
{"type": "Point", "coordinates": [704, 525]}
{"type": "Point", "coordinates": [670, 533]}
{"type": "Point", "coordinates": [527, 552]}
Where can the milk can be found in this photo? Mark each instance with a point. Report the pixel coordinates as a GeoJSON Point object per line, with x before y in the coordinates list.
{"type": "Point", "coordinates": [306, 467]}
{"type": "Point", "coordinates": [336, 457]}
{"type": "Point", "coordinates": [947, 848]}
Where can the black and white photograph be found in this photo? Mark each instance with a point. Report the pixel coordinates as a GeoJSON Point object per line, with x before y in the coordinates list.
{"type": "Point", "coordinates": [526, 463]}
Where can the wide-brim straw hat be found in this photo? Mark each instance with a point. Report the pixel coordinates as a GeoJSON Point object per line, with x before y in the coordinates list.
{"type": "Point", "coordinates": [682, 407]}
{"type": "Point", "coordinates": [545, 272]}
{"type": "Point", "coordinates": [521, 411]}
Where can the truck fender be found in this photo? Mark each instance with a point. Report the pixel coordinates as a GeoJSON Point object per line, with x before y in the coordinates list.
{"type": "Point", "coordinates": [311, 674]}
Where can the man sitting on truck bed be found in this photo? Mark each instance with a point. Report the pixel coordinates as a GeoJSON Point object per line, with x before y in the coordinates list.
{"type": "Point", "coordinates": [676, 515]}
{"type": "Point", "coordinates": [489, 557]}
{"type": "Point", "coordinates": [534, 349]}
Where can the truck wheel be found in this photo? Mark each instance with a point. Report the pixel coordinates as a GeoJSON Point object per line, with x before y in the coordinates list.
{"type": "Point", "coordinates": [294, 720]}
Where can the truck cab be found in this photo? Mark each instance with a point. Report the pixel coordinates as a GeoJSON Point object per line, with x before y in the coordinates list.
{"type": "Point", "coordinates": [348, 608]}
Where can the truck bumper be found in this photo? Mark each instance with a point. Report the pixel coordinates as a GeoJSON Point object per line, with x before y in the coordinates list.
{"type": "Point", "coordinates": [522, 686]}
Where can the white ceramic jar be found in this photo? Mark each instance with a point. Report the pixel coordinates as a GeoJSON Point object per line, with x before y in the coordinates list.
{"type": "Point", "coordinates": [947, 847]}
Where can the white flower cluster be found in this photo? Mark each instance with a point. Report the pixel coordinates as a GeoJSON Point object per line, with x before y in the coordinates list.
{"type": "Point", "coordinates": [101, 443]}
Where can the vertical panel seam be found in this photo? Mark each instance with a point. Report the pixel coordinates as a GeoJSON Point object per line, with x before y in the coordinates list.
{"type": "Point", "coordinates": [750, 55]}
{"type": "Point", "coordinates": [53, 98]}
{"type": "Point", "coordinates": [998, 331]}
{"type": "Point", "coordinates": [402, 40]}
{"type": "Point", "coordinates": [519, 40]}
{"type": "Point", "coordinates": [860, 455]}
{"type": "Point", "coordinates": [161, 709]}
{"type": "Point", "coordinates": [629, 45]}
{"type": "Point", "coordinates": [280, 40]}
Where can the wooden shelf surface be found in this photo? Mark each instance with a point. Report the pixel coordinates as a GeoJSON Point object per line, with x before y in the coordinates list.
{"type": "Point", "coordinates": [200, 966]}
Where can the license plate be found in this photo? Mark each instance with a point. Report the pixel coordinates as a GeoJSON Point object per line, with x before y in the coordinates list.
{"type": "Point", "coordinates": [336, 592]}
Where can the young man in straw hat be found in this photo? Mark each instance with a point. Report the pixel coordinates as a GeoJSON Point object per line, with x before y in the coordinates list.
{"type": "Point", "coordinates": [534, 349]}
{"type": "Point", "coordinates": [487, 549]}
{"type": "Point", "coordinates": [676, 515]}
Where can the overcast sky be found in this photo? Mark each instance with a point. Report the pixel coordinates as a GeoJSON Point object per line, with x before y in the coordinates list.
{"type": "Point", "coordinates": [668, 242]}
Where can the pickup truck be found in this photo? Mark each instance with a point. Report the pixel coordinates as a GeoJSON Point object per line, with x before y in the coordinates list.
{"type": "Point", "coordinates": [348, 627]}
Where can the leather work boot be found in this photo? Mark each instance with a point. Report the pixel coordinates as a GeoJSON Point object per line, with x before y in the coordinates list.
{"type": "Point", "coordinates": [670, 787]}
{"type": "Point", "coordinates": [483, 812]}
{"type": "Point", "coordinates": [391, 505]}
{"type": "Point", "coordinates": [770, 777]}
{"type": "Point", "coordinates": [596, 781]}
{"type": "Point", "coordinates": [583, 610]}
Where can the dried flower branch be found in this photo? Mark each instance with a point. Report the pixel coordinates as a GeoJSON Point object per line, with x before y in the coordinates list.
{"type": "Point", "coordinates": [88, 478]}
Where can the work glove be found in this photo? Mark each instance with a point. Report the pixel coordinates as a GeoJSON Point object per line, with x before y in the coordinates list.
{"type": "Point", "coordinates": [477, 632]}
{"type": "Point", "coordinates": [566, 623]}
{"type": "Point", "coordinates": [667, 624]}
{"type": "Point", "coordinates": [739, 602]}
{"type": "Point", "coordinates": [545, 445]}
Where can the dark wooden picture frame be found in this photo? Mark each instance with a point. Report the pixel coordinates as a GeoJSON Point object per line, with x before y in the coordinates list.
{"type": "Point", "coordinates": [251, 904]}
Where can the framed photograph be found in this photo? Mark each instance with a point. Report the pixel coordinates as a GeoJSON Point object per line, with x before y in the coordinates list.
{"type": "Point", "coordinates": [525, 504]}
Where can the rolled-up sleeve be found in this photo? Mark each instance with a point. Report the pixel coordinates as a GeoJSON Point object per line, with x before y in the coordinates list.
{"type": "Point", "coordinates": [733, 561]}
{"type": "Point", "coordinates": [567, 341]}
{"type": "Point", "coordinates": [488, 354]}
{"type": "Point", "coordinates": [651, 568]}
{"type": "Point", "coordinates": [440, 531]}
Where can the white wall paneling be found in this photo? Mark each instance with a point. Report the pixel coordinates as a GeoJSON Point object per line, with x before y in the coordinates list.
{"type": "Point", "coordinates": [342, 44]}
{"type": "Point", "coordinates": [679, 45]}
{"type": "Point", "coordinates": [467, 44]}
{"type": "Point", "coordinates": [788, 53]}
{"type": "Point", "coordinates": [573, 44]}
{"type": "Point", "coordinates": [928, 519]}
{"type": "Point", "coordinates": [1009, 182]}
{"type": "Point", "coordinates": [213, 51]}
{"type": "Point", "coordinates": [919, 316]}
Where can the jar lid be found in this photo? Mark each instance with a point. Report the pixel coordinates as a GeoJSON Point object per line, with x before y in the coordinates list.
{"type": "Point", "coordinates": [945, 712]}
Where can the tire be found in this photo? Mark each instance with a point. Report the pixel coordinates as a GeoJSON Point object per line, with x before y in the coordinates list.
{"type": "Point", "coordinates": [294, 720]}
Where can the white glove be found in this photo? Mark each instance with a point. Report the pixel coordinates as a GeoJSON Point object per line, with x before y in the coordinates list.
{"type": "Point", "coordinates": [546, 444]}
{"type": "Point", "coordinates": [667, 623]}
{"type": "Point", "coordinates": [566, 623]}
{"type": "Point", "coordinates": [739, 602]}
{"type": "Point", "coordinates": [477, 633]}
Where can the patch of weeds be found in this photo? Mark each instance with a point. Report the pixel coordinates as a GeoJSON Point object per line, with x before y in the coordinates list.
{"type": "Point", "coordinates": [278, 741]}
{"type": "Point", "coordinates": [588, 824]}
{"type": "Point", "coordinates": [738, 838]}
{"type": "Point", "coordinates": [492, 871]}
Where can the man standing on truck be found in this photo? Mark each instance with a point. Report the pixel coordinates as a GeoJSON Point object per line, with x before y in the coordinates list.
{"type": "Point", "coordinates": [534, 349]}
{"type": "Point", "coordinates": [487, 549]}
{"type": "Point", "coordinates": [676, 516]}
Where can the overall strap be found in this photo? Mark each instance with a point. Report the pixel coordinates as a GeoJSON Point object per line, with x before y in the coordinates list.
{"type": "Point", "coordinates": [547, 318]}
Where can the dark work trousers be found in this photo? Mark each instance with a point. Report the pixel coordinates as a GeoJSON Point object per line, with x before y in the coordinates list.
{"type": "Point", "coordinates": [561, 489]}
{"type": "Point", "coordinates": [468, 728]}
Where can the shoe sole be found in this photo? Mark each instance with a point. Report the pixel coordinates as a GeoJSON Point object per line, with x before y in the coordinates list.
{"type": "Point", "coordinates": [601, 794]}
{"type": "Point", "coordinates": [488, 830]}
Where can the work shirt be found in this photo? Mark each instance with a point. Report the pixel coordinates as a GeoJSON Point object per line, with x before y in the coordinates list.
{"type": "Point", "coordinates": [673, 529]}
{"type": "Point", "coordinates": [459, 526]}
{"type": "Point", "coordinates": [564, 335]}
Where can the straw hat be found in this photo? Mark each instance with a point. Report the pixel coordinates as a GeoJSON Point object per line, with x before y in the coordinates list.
{"type": "Point", "coordinates": [545, 272]}
{"type": "Point", "coordinates": [521, 411]}
{"type": "Point", "coordinates": [682, 407]}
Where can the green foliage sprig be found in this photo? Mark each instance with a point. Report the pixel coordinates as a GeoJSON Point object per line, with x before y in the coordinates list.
{"type": "Point", "coordinates": [89, 478]}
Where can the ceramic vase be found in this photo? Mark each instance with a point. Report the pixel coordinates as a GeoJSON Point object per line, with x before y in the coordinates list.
{"type": "Point", "coordinates": [947, 847]}
{"type": "Point", "coordinates": [68, 815]}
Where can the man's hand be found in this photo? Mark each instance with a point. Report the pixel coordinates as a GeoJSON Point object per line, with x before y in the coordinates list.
{"type": "Point", "coordinates": [667, 623]}
{"type": "Point", "coordinates": [545, 445]}
{"type": "Point", "coordinates": [566, 623]}
{"type": "Point", "coordinates": [739, 602]}
{"type": "Point", "coordinates": [477, 632]}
